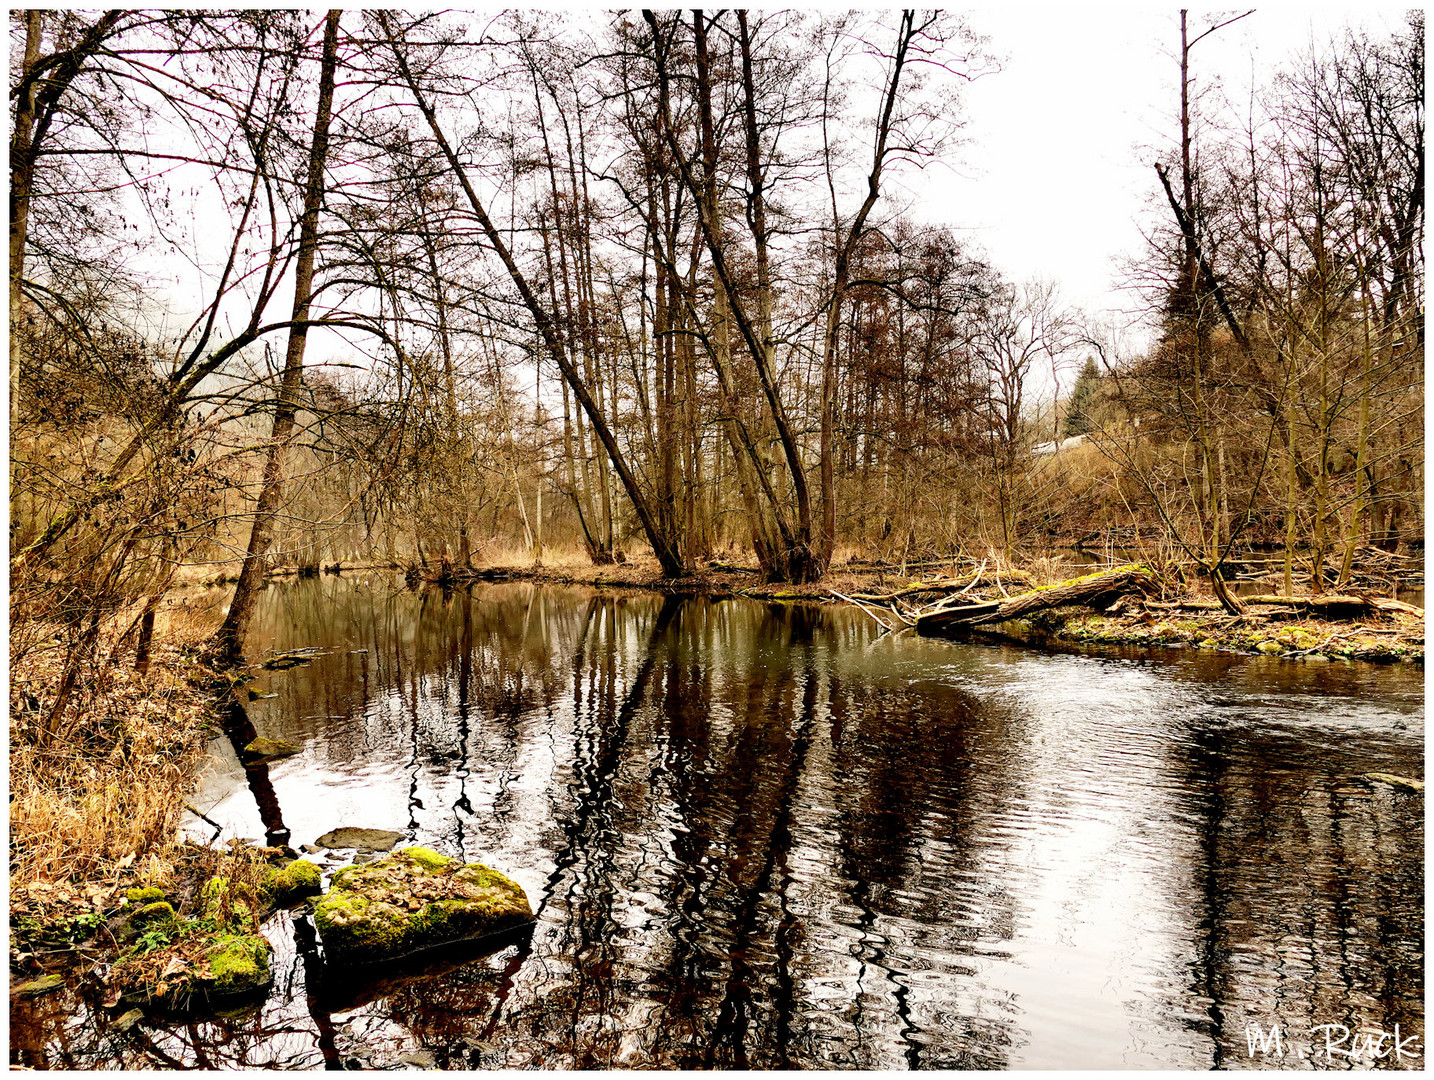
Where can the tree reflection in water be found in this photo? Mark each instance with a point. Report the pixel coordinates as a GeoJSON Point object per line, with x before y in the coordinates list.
{"type": "Point", "coordinates": [756, 837]}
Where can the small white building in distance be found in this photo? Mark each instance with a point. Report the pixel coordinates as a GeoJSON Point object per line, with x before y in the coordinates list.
{"type": "Point", "coordinates": [1042, 449]}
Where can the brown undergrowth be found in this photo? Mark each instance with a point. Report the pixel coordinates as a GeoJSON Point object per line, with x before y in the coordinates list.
{"type": "Point", "coordinates": [94, 810]}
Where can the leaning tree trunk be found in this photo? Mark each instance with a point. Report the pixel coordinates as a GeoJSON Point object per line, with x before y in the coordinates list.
{"type": "Point", "coordinates": [229, 641]}
{"type": "Point", "coordinates": [663, 546]}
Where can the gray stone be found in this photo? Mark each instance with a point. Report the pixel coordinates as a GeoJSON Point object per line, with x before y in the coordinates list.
{"type": "Point", "coordinates": [359, 839]}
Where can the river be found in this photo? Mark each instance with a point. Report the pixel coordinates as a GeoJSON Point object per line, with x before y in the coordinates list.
{"type": "Point", "coordinates": [764, 836]}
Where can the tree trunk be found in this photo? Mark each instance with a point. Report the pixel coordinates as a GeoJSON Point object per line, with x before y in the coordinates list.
{"type": "Point", "coordinates": [667, 555]}
{"type": "Point", "coordinates": [230, 640]}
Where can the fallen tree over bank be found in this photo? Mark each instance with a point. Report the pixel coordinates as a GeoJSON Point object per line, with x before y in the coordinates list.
{"type": "Point", "coordinates": [1097, 591]}
{"type": "Point", "coordinates": [955, 612]}
{"type": "Point", "coordinates": [1120, 611]}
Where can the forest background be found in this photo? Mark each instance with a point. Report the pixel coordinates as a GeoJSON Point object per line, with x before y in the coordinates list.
{"type": "Point", "coordinates": [473, 289]}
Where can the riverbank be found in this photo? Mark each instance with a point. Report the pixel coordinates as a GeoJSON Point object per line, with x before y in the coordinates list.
{"type": "Point", "coordinates": [1400, 639]}
{"type": "Point", "coordinates": [96, 797]}
{"type": "Point", "coordinates": [1392, 636]}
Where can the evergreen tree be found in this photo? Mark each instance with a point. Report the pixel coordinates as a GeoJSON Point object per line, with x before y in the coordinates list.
{"type": "Point", "coordinates": [1078, 420]}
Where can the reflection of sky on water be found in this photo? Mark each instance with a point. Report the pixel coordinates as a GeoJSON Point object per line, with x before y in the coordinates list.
{"type": "Point", "coordinates": [757, 836]}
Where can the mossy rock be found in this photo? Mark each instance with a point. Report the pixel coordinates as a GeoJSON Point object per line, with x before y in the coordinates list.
{"type": "Point", "coordinates": [159, 911]}
{"type": "Point", "coordinates": [236, 965]}
{"type": "Point", "coordinates": [36, 987]}
{"type": "Point", "coordinates": [1269, 647]}
{"type": "Point", "coordinates": [197, 964]}
{"type": "Point", "coordinates": [293, 882]}
{"type": "Point", "coordinates": [146, 895]}
{"type": "Point", "coordinates": [412, 901]}
{"type": "Point", "coordinates": [265, 749]}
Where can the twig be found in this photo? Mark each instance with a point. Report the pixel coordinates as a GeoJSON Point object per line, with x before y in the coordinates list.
{"type": "Point", "coordinates": [203, 817]}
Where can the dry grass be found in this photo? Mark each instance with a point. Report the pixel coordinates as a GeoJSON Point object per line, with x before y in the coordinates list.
{"type": "Point", "coordinates": [109, 794]}
{"type": "Point", "coordinates": [555, 557]}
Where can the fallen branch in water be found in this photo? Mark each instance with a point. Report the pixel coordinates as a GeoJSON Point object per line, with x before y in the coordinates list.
{"type": "Point", "coordinates": [872, 610]}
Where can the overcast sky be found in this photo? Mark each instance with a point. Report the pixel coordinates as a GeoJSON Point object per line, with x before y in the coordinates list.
{"type": "Point", "coordinates": [1057, 167]}
{"type": "Point", "coordinates": [1055, 175]}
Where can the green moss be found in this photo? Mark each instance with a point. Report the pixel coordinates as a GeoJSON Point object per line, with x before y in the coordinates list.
{"type": "Point", "coordinates": [35, 987]}
{"type": "Point", "coordinates": [214, 898]}
{"type": "Point", "coordinates": [156, 912]}
{"type": "Point", "coordinates": [146, 895]}
{"type": "Point", "coordinates": [413, 900]}
{"type": "Point", "coordinates": [427, 858]}
{"type": "Point", "coordinates": [1128, 568]}
{"type": "Point", "coordinates": [237, 964]}
{"type": "Point", "coordinates": [225, 906]}
{"type": "Point", "coordinates": [288, 883]}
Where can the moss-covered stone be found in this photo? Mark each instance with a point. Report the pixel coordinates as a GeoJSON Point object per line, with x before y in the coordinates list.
{"type": "Point", "coordinates": [293, 882]}
{"type": "Point", "coordinates": [190, 961]}
{"type": "Point", "coordinates": [265, 749]}
{"type": "Point", "coordinates": [146, 895]}
{"type": "Point", "coordinates": [35, 987]}
{"type": "Point", "coordinates": [160, 911]}
{"type": "Point", "coordinates": [414, 900]}
{"type": "Point", "coordinates": [235, 964]}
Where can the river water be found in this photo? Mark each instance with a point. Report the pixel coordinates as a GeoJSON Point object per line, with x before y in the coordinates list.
{"type": "Point", "coordinates": [760, 835]}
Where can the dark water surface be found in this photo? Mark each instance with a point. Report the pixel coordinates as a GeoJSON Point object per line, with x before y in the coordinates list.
{"type": "Point", "coordinates": [758, 836]}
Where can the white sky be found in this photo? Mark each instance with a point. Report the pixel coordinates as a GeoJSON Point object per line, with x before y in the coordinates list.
{"type": "Point", "coordinates": [1057, 168]}
{"type": "Point", "coordinates": [1055, 174]}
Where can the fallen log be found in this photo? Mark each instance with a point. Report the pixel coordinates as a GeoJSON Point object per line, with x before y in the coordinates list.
{"type": "Point", "coordinates": [1095, 590]}
{"type": "Point", "coordinates": [1385, 604]}
{"type": "Point", "coordinates": [1332, 607]}
{"type": "Point", "coordinates": [949, 585]}
{"type": "Point", "coordinates": [1406, 782]}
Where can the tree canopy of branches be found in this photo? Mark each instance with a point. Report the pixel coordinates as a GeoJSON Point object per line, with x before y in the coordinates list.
{"type": "Point", "coordinates": [430, 288]}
